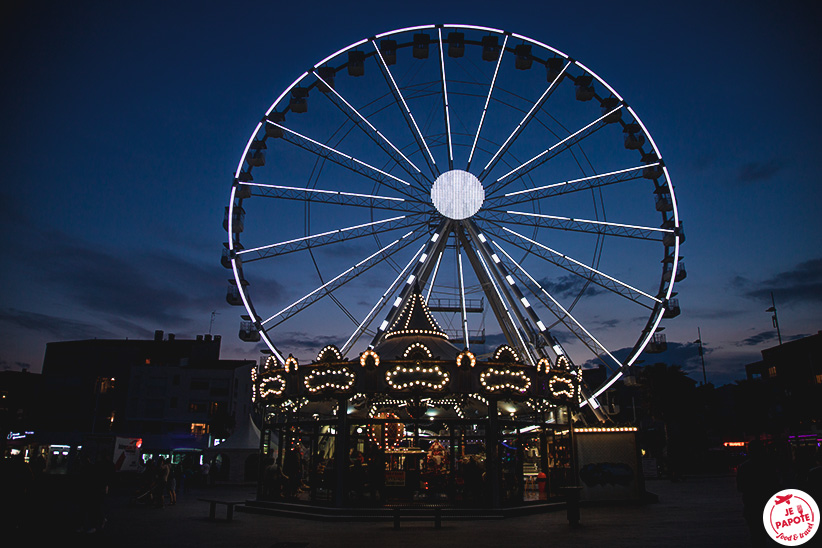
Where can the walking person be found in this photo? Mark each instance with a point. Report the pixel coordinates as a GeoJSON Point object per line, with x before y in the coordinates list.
{"type": "Point", "coordinates": [161, 487]}
{"type": "Point", "coordinates": [171, 488]}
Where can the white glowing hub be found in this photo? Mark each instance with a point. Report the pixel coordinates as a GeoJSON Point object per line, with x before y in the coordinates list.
{"type": "Point", "coordinates": [457, 194]}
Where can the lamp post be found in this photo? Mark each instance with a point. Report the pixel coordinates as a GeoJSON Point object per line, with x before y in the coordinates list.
{"type": "Point", "coordinates": [702, 356]}
{"type": "Point", "coordinates": [775, 319]}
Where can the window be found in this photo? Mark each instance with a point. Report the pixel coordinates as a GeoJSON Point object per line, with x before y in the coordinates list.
{"type": "Point", "coordinates": [197, 407]}
{"type": "Point", "coordinates": [199, 384]}
{"type": "Point", "coordinates": [819, 379]}
{"type": "Point", "coordinates": [199, 428]}
{"type": "Point", "coordinates": [105, 384]}
{"type": "Point", "coordinates": [772, 371]}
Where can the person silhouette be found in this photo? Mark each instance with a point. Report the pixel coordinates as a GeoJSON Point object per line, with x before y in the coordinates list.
{"type": "Point", "coordinates": [757, 480]}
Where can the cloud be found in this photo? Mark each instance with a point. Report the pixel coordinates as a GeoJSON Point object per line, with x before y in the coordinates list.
{"type": "Point", "coordinates": [129, 288]}
{"type": "Point", "coordinates": [569, 286]}
{"type": "Point", "coordinates": [802, 283]}
{"type": "Point", "coordinates": [754, 172]}
{"type": "Point", "coordinates": [58, 327]}
{"type": "Point", "coordinates": [302, 345]}
{"type": "Point", "coordinates": [758, 339]}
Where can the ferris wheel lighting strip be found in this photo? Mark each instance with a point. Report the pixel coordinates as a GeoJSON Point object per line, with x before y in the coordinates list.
{"type": "Point", "coordinates": [322, 191]}
{"type": "Point", "coordinates": [333, 55]}
{"type": "Point", "coordinates": [326, 284]}
{"type": "Point", "coordinates": [364, 119]}
{"type": "Point", "coordinates": [540, 44]}
{"type": "Point", "coordinates": [603, 388]}
{"type": "Point", "coordinates": [645, 131]}
{"type": "Point", "coordinates": [391, 288]}
{"type": "Point", "coordinates": [238, 280]}
{"type": "Point", "coordinates": [580, 180]}
{"type": "Point", "coordinates": [527, 117]}
{"type": "Point", "coordinates": [337, 152]}
{"type": "Point", "coordinates": [445, 102]}
{"type": "Point", "coordinates": [504, 304]}
{"type": "Point", "coordinates": [280, 98]}
{"type": "Point", "coordinates": [600, 80]}
{"type": "Point", "coordinates": [603, 223]}
{"type": "Point", "coordinates": [402, 99]}
{"type": "Point", "coordinates": [462, 302]}
{"type": "Point", "coordinates": [321, 234]}
{"type": "Point", "coordinates": [472, 27]}
{"type": "Point", "coordinates": [560, 143]}
{"type": "Point", "coordinates": [675, 210]}
{"type": "Point", "coordinates": [556, 303]}
{"type": "Point", "coordinates": [487, 101]}
{"type": "Point", "coordinates": [405, 29]}
{"type": "Point", "coordinates": [245, 151]}
{"type": "Point", "coordinates": [583, 265]}
{"type": "Point", "coordinates": [433, 276]}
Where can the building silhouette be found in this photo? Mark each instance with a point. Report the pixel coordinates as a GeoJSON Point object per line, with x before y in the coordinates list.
{"type": "Point", "coordinates": [174, 395]}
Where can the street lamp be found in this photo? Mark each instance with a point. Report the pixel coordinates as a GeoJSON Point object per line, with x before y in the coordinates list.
{"type": "Point", "coordinates": [701, 355]}
{"type": "Point", "coordinates": [775, 319]}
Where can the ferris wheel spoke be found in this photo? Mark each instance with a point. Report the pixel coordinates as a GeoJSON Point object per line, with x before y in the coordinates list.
{"type": "Point", "coordinates": [372, 132]}
{"type": "Point", "coordinates": [487, 101]}
{"type": "Point", "coordinates": [330, 237]}
{"type": "Point", "coordinates": [419, 275]}
{"type": "Point", "coordinates": [347, 161]}
{"type": "Point", "coordinates": [315, 195]}
{"type": "Point", "coordinates": [549, 153]}
{"type": "Point", "coordinates": [445, 104]}
{"type": "Point", "coordinates": [406, 112]}
{"type": "Point", "coordinates": [338, 281]}
{"type": "Point", "coordinates": [556, 222]}
{"type": "Point", "coordinates": [560, 312]}
{"type": "Point", "coordinates": [494, 284]}
{"type": "Point", "coordinates": [577, 268]}
{"type": "Point", "coordinates": [380, 304]}
{"type": "Point", "coordinates": [567, 187]}
{"type": "Point", "coordinates": [532, 112]}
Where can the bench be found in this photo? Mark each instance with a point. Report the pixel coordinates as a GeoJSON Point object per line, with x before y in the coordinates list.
{"type": "Point", "coordinates": [418, 511]}
{"type": "Point", "coordinates": [230, 504]}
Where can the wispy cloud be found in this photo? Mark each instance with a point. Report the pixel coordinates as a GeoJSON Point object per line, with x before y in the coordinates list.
{"type": "Point", "coordinates": [758, 339]}
{"type": "Point", "coordinates": [569, 286]}
{"type": "Point", "coordinates": [802, 283]}
{"type": "Point", "coordinates": [55, 326]}
{"type": "Point", "coordinates": [754, 172]}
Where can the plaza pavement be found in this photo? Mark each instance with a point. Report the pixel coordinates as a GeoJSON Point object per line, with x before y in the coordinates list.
{"type": "Point", "coordinates": [697, 512]}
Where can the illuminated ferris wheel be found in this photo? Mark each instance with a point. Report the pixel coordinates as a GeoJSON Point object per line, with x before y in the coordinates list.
{"type": "Point", "coordinates": [481, 168]}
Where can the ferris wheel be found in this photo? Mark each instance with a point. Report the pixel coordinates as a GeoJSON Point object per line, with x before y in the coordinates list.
{"type": "Point", "coordinates": [498, 177]}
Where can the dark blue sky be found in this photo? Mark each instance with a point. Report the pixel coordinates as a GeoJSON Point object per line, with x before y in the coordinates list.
{"type": "Point", "coordinates": [124, 123]}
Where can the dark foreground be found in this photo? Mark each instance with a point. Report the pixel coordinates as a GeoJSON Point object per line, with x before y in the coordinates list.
{"type": "Point", "coordinates": [697, 512]}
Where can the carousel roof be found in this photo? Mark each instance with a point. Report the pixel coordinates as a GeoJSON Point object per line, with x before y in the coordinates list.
{"type": "Point", "coordinates": [416, 324]}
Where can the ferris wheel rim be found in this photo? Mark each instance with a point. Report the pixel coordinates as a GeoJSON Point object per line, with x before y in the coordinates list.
{"type": "Point", "coordinates": [658, 313]}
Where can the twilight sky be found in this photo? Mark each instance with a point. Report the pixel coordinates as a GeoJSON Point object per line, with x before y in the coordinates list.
{"type": "Point", "coordinates": [125, 121]}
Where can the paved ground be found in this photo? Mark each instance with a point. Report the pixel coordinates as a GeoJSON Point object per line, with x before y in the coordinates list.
{"type": "Point", "coordinates": [697, 512]}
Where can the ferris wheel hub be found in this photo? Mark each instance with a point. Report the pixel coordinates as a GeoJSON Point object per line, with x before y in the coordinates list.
{"type": "Point", "coordinates": [457, 194]}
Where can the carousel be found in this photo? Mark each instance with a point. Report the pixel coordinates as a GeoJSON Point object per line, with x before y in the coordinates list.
{"type": "Point", "coordinates": [416, 419]}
